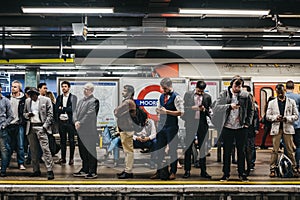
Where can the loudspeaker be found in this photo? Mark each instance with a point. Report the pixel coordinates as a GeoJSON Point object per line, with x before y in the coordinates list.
{"type": "Point", "coordinates": [80, 31]}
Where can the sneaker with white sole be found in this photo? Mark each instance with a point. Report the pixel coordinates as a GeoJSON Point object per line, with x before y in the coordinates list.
{"type": "Point", "coordinates": [22, 167]}
{"type": "Point", "coordinates": [80, 174]}
{"type": "Point", "coordinates": [224, 178]}
{"type": "Point", "coordinates": [91, 176]}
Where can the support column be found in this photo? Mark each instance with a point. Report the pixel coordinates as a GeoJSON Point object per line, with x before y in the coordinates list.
{"type": "Point", "coordinates": [32, 77]}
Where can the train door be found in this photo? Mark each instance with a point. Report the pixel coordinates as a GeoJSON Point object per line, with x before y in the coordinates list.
{"type": "Point", "coordinates": [262, 92]}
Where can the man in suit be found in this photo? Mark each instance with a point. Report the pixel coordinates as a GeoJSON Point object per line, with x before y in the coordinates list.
{"type": "Point", "coordinates": [85, 120]}
{"type": "Point", "coordinates": [197, 107]}
{"type": "Point", "coordinates": [65, 106]}
{"type": "Point", "coordinates": [39, 113]}
{"type": "Point", "coordinates": [282, 112]}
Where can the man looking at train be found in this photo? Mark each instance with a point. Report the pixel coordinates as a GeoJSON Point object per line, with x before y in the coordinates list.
{"type": "Point", "coordinates": [282, 112]}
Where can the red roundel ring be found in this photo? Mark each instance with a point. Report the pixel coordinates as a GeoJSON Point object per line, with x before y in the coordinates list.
{"type": "Point", "coordinates": [144, 92]}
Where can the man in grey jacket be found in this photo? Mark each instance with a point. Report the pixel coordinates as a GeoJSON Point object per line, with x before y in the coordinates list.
{"type": "Point", "coordinates": [238, 113]}
{"type": "Point", "coordinates": [6, 116]}
{"type": "Point", "coordinates": [39, 113]}
{"type": "Point", "coordinates": [85, 120]}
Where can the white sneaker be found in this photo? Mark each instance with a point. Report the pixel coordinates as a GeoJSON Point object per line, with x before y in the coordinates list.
{"type": "Point", "coordinates": [22, 167]}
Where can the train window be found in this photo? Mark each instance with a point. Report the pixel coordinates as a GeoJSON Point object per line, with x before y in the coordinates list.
{"type": "Point", "coordinates": [265, 93]}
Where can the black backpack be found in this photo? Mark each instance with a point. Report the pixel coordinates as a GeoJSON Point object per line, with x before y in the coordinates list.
{"type": "Point", "coordinates": [139, 119]}
{"type": "Point", "coordinates": [284, 167]}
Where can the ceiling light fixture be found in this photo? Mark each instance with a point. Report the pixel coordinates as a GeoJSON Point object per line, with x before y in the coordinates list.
{"type": "Point", "coordinates": [65, 10]}
{"type": "Point", "coordinates": [223, 12]}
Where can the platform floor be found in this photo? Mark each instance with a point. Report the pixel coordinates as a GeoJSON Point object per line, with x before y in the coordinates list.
{"type": "Point", "coordinates": [142, 172]}
{"type": "Point", "coordinates": [19, 186]}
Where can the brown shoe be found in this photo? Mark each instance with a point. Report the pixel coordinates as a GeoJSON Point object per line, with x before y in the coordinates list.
{"type": "Point", "coordinates": [172, 177]}
{"type": "Point", "coordinates": [155, 176]}
{"type": "Point", "coordinates": [272, 174]}
{"type": "Point", "coordinates": [71, 162]}
{"type": "Point", "coordinates": [60, 162]}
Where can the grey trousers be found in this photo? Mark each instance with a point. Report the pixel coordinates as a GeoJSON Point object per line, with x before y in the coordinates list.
{"type": "Point", "coordinates": [38, 137]}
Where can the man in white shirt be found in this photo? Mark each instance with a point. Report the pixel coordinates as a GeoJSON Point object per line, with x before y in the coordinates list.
{"type": "Point", "coordinates": [39, 113]}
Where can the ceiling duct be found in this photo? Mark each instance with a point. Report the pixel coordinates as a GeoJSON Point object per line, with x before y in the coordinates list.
{"type": "Point", "coordinates": [154, 24]}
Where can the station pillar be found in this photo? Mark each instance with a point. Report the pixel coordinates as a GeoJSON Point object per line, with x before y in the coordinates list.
{"type": "Point", "coordinates": [32, 77]}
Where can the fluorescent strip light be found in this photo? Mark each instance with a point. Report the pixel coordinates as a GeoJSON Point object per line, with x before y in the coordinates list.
{"type": "Point", "coordinates": [7, 67]}
{"type": "Point", "coordinates": [118, 67]}
{"type": "Point", "coordinates": [17, 46]}
{"type": "Point", "coordinates": [223, 12]}
{"type": "Point", "coordinates": [183, 47]}
{"type": "Point", "coordinates": [61, 10]}
{"type": "Point", "coordinates": [97, 47]}
{"type": "Point", "coordinates": [125, 73]}
{"type": "Point", "coordinates": [57, 67]}
{"type": "Point", "coordinates": [281, 48]}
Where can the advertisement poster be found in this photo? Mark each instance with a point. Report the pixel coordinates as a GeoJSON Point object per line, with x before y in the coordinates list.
{"type": "Point", "coordinates": [106, 92]}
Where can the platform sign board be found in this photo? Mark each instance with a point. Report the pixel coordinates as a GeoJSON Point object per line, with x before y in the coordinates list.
{"type": "Point", "coordinates": [212, 88]}
{"type": "Point", "coordinates": [147, 91]}
{"type": "Point", "coordinates": [107, 93]}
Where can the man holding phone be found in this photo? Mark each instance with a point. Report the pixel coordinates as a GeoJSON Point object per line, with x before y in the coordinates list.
{"type": "Point", "coordinates": [237, 106]}
{"type": "Point", "coordinates": [282, 112]}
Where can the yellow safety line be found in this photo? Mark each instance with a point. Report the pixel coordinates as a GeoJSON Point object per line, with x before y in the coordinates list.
{"type": "Point", "coordinates": [129, 182]}
{"type": "Point", "coordinates": [37, 61]}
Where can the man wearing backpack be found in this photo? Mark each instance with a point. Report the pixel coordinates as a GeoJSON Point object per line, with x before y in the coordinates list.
{"type": "Point", "coordinates": [282, 112]}
{"type": "Point", "coordinates": [124, 114]}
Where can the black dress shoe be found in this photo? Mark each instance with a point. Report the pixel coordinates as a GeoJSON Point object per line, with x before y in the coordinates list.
{"type": "Point", "coordinates": [205, 175]}
{"type": "Point", "coordinates": [35, 174]}
{"type": "Point", "coordinates": [155, 176]}
{"type": "Point", "coordinates": [187, 174]}
{"type": "Point", "coordinates": [3, 174]}
{"type": "Point", "coordinates": [126, 175]}
{"type": "Point", "coordinates": [120, 174]}
{"type": "Point", "coordinates": [50, 175]}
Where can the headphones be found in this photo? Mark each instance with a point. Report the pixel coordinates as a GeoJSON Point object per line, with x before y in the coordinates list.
{"type": "Point", "coordinates": [236, 78]}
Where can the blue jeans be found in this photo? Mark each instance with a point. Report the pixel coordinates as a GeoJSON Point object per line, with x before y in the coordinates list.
{"type": "Point", "coordinates": [16, 142]}
{"type": "Point", "coordinates": [114, 146]}
{"type": "Point", "coordinates": [4, 150]}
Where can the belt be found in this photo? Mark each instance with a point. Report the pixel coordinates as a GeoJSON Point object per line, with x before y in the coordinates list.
{"type": "Point", "coordinates": [37, 124]}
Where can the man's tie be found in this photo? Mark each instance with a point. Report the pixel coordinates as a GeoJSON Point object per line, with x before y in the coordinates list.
{"type": "Point", "coordinates": [166, 99]}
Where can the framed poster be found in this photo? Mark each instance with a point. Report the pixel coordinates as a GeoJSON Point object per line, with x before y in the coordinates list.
{"type": "Point", "coordinates": [106, 90]}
